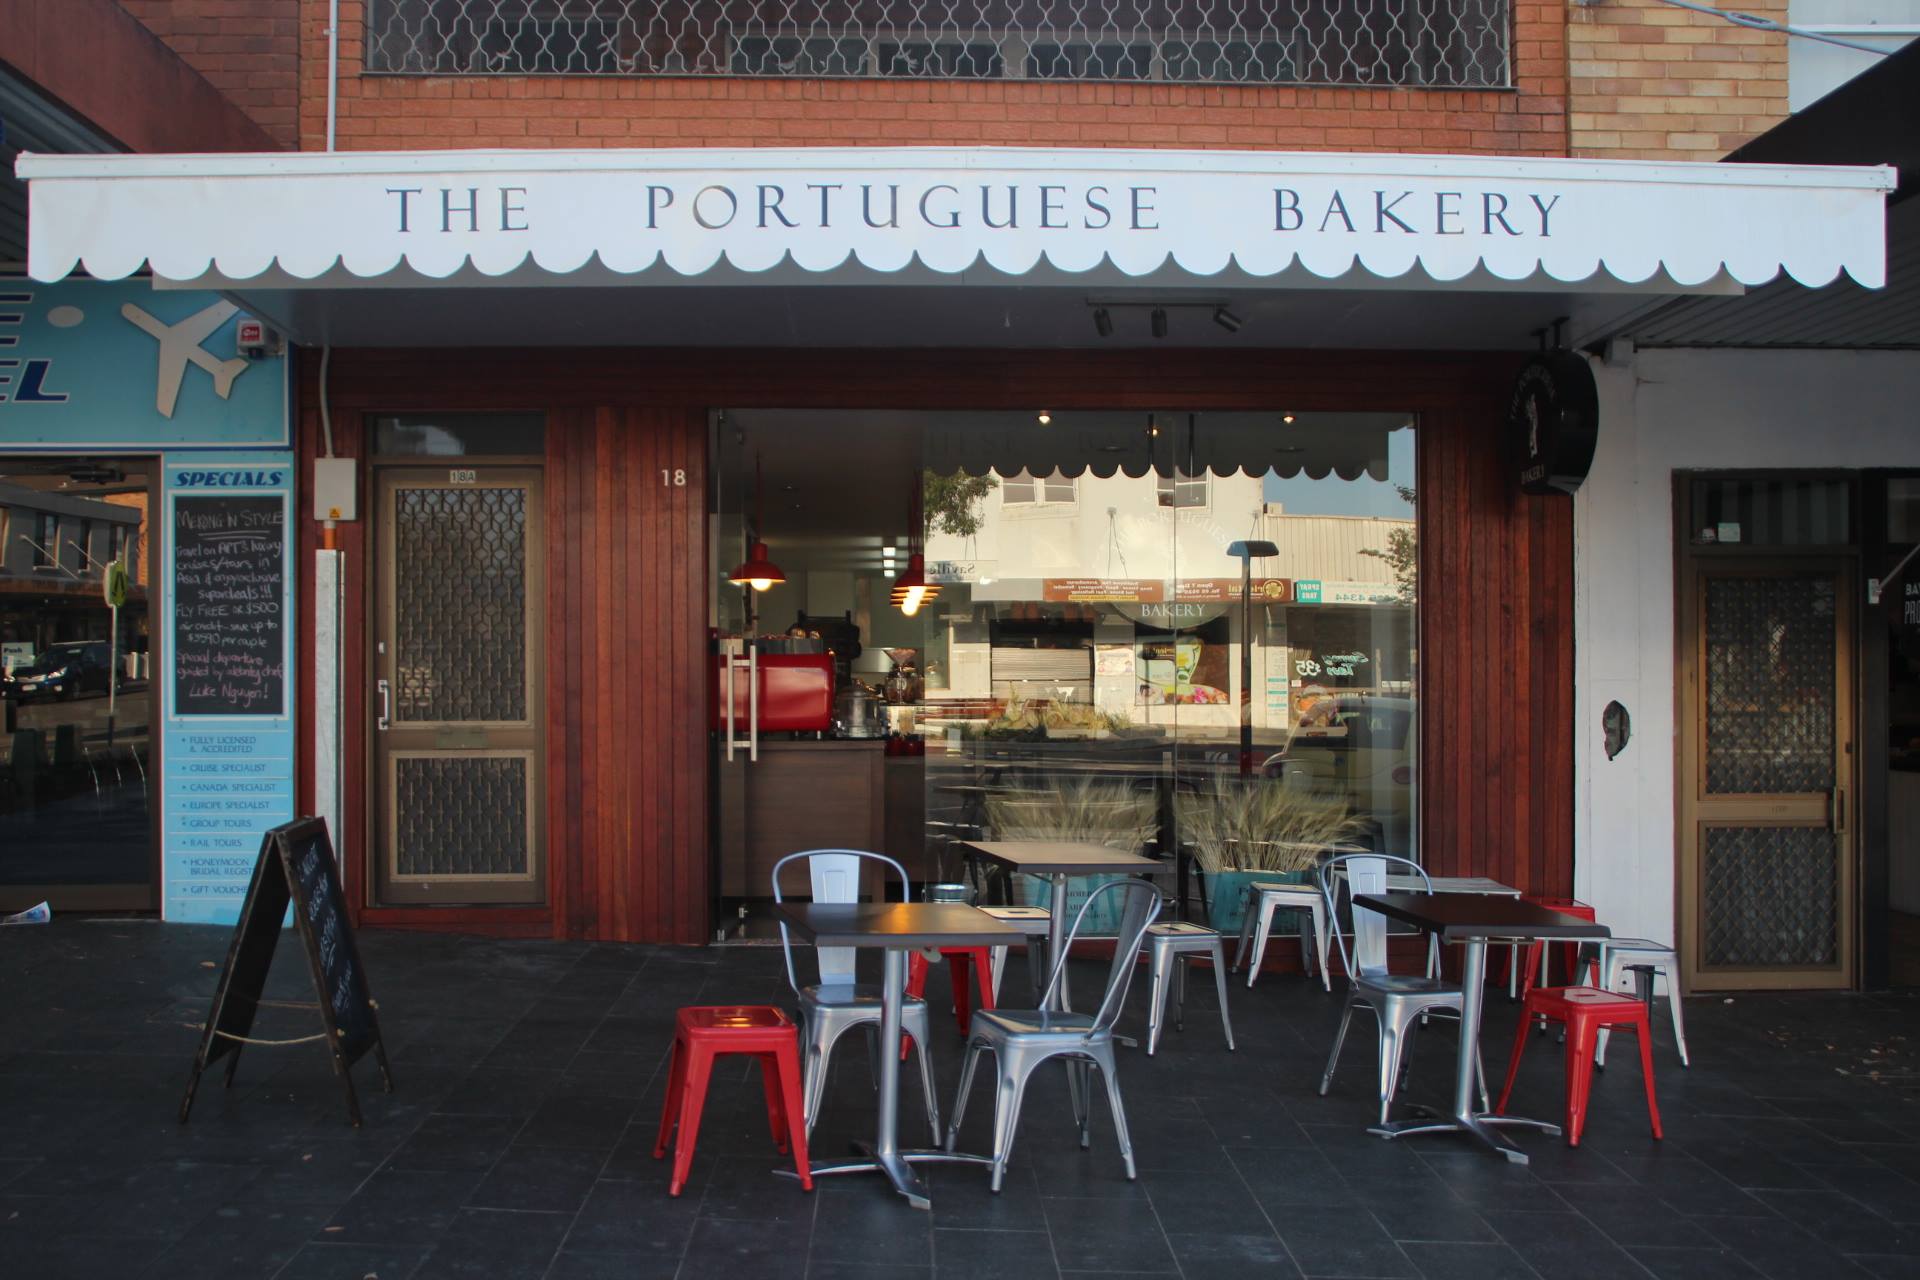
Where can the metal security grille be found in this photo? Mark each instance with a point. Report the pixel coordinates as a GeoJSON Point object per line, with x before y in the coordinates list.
{"type": "Point", "coordinates": [460, 569]}
{"type": "Point", "coordinates": [1770, 681]}
{"type": "Point", "coordinates": [1772, 897]}
{"type": "Point", "coordinates": [1431, 43]}
{"type": "Point", "coordinates": [460, 816]}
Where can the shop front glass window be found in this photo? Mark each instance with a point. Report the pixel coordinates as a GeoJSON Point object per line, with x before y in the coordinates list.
{"type": "Point", "coordinates": [1109, 586]}
{"type": "Point", "coordinates": [76, 744]}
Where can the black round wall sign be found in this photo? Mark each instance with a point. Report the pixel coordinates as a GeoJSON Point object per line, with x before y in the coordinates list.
{"type": "Point", "coordinates": [1553, 422]}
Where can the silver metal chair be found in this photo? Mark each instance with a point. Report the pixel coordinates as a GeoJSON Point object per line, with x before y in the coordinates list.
{"type": "Point", "coordinates": [1399, 1004]}
{"type": "Point", "coordinates": [1167, 946]}
{"type": "Point", "coordinates": [1646, 960]}
{"type": "Point", "coordinates": [1021, 1040]}
{"type": "Point", "coordinates": [837, 1004]}
{"type": "Point", "coordinates": [1263, 898]}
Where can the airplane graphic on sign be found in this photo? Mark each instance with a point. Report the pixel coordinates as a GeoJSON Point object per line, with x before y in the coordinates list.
{"type": "Point", "coordinates": [180, 345]}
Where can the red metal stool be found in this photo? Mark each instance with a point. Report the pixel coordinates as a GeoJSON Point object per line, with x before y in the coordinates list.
{"type": "Point", "coordinates": [966, 964]}
{"type": "Point", "coordinates": [705, 1032]}
{"type": "Point", "coordinates": [1565, 906]}
{"type": "Point", "coordinates": [1583, 1011]}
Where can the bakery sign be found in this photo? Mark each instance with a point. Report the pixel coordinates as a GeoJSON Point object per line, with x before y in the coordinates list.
{"type": "Point", "coordinates": [1156, 590]}
{"type": "Point", "coordinates": [1425, 221]}
{"type": "Point", "coordinates": [1553, 422]}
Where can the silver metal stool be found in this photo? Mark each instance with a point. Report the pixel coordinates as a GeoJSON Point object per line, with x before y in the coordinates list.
{"type": "Point", "coordinates": [1265, 897]}
{"type": "Point", "coordinates": [1646, 960]}
{"type": "Point", "coordinates": [1166, 945]}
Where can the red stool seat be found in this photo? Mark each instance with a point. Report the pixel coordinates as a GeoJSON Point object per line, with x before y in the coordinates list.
{"type": "Point", "coordinates": [1584, 1011]}
{"type": "Point", "coordinates": [705, 1032]}
{"type": "Point", "coordinates": [966, 964]}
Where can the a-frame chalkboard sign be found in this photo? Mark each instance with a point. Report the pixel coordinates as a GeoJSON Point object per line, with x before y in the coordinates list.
{"type": "Point", "coordinates": [295, 866]}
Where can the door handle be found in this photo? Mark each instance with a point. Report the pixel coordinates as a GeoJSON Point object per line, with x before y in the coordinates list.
{"type": "Point", "coordinates": [753, 702]}
{"type": "Point", "coordinates": [386, 703]}
{"type": "Point", "coordinates": [726, 700]}
{"type": "Point", "coordinates": [1837, 811]}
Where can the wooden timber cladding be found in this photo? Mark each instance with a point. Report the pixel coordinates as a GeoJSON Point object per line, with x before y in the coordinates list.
{"type": "Point", "coordinates": [627, 588]}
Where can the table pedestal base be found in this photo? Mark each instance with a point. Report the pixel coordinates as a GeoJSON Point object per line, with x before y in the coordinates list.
{"type": "Point", "coordinates": [1480, 1126]}
{"type": "Point", "coordinates": [898, 1167]}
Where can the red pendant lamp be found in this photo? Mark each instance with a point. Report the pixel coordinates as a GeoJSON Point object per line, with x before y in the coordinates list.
{"type": "Point", "coordinates": [758, 570]}
{"type": "Point", "coordinates": [911, 589]}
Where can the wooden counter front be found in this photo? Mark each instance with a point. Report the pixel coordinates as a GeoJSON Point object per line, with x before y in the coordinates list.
{"type": "Point", "coordinates": [828, 794]}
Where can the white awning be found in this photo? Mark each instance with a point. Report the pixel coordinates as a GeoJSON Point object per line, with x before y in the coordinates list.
{"type": "Point", "coordinates": [494, 218]}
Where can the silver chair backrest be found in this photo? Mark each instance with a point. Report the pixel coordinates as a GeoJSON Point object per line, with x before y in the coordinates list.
{"type": "Point", "coordinates": [1364, 873]}
{"type": "Point", "coordinates": [835, 878]}
{"type": "Point", "coordinates": [1141, 907]}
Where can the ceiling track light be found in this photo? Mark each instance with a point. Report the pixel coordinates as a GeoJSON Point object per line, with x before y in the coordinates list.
{"type": "Point", "coordinates": [1159, 322]}
{"type": "Point", "coordinates": [1226, 319]}
{"type": "Point", "coordinates": [1103, 322]}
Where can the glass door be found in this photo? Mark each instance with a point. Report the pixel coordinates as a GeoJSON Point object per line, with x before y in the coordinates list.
{"type": "Point", "coordinates": [76, 748]}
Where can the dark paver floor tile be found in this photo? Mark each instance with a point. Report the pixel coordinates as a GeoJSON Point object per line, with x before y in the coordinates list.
{"type": "Point", "coordinates": [456, 1142]}
{"type": "Point", "coordinates": [316, 1261]}
{"type": "Point", "coordinates": [1101, 1233]}
{"type": "Point", "coordinates": [1256, 1256]}
{"type": "Point", "coordinates": [633, 1217]}
{"type": "Point", "coordinates": [968, 1254]}
{"type": "Point", "coordinates": [1455, 1261]}
{"type": "Point", "coordinates": [613, 1266]}
{"type": "Point", "coordinates": [540, 1180]}
{"type": "Point", "coordinates": [1564, 1246]}
{"type": "Point", "coordinates": [401, 1206]}
{"type": "Point", "coordinates": [860, 1218]}
{"type": "Point", "coordinates": [490, 1244]}
{"type": "Point", "coordinates": [1342, 1241]}
{"type": "Point", "coordinates": [1695, 1264]}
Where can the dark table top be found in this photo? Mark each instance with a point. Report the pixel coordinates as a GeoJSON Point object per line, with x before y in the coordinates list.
{"type": "Point", "coordinates": [1458, 916]}
{"type": "Point", "coordinates": [897, 924]}
{"type": "Point", "coordinates": [1058, 857]}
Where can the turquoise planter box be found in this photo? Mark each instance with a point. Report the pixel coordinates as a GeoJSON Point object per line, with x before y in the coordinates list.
{"type": "Point", "coordinates": [1226, 898]}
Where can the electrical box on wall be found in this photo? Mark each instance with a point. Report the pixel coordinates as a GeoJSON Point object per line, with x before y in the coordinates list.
{"type": "Point", "coordinates": [336, 489]}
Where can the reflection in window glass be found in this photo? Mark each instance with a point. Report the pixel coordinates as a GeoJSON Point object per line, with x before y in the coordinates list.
{"type": "Point", "coordinates": [75, 758]}
{"type": "Point", "coordinates": [1080, 676]}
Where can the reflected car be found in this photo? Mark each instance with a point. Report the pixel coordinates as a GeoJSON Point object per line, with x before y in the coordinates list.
{"type": "Point", "coordinates": [61, 671]}
{"type": "Point", "coordinates": [1363, 749]}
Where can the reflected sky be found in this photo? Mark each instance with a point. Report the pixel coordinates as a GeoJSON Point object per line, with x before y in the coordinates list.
{"type": "Point", "coordinates": [1302, 495]}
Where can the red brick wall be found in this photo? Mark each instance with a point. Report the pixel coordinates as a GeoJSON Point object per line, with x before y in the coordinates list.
{"type": "Point", "coordinates": [100, 63]}
{"type": "Point", "coordinates": [247, 49]}
{"type": "Point", "coordinates": [407, 112]}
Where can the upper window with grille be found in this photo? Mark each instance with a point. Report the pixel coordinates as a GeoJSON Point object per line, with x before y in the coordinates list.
{"type": "Point", "coordinates": [1024, 488]}
{"type": "Point", "coordinates": [1183, 490]}
{"type": "Point", "coordinates": [1446, 44]}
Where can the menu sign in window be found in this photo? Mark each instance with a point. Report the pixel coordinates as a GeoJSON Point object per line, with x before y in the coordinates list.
{"type": "Point", "coordinates": [227, 774]}
{"type": "Point", "coordinates": [229, 623]}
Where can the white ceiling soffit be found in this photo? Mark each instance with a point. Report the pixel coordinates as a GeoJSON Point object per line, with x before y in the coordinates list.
{"type": "Point", "coordinates": [1445, 222]}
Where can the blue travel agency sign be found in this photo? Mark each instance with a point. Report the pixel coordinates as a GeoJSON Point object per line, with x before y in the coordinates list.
{"type": "Point", "coordinates": [119, 365]}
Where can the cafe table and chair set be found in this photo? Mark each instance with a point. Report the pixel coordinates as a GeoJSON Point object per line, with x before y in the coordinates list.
{"type": "Point", "coordinates": [1357, 896]}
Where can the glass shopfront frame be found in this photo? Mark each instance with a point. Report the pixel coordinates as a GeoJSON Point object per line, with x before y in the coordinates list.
{"type": "Point", "coordinates": [1079, 673]}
